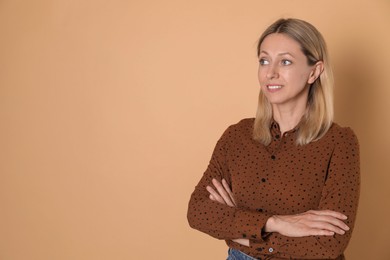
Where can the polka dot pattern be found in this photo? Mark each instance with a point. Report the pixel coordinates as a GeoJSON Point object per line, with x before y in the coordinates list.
{"type": "Point", "coordinates": [279, 179]}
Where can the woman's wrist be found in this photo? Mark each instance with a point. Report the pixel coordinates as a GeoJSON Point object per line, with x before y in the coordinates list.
{"type": "Point", "coordinates": [270, 225]}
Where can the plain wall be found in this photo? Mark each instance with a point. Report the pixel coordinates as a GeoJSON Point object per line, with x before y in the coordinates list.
{"type": "Point", "coordinates": [109, 112]}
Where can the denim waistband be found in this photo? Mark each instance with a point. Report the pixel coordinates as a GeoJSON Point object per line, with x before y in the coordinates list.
{"type": "Point", "coordinates": [234, 254]}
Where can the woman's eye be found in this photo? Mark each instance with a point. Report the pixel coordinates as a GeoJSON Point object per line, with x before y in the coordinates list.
{"type": "Point", "coordinates": [263, 62]}
{"type": "Point", "coordinates": [286, 62]}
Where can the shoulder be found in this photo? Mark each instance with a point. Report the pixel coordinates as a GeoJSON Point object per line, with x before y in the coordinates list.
{"type": "Point", "coordinates": [242, 127]}
{"type": "Point", "coordinates": [244, 123]}
{"type": "Point", "coordinates": [342, 134]}
{"type": "Point", "coordinates": [239, 130]}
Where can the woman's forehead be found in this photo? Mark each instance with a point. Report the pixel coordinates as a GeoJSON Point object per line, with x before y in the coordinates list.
{"type": "Point", "coordinates": [279, 43]}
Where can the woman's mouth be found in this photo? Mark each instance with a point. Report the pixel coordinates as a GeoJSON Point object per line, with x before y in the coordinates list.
{"type": "Point", "coordinates": [274, 87]}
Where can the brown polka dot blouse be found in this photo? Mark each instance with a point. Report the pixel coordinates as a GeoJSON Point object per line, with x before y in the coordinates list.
{"type": "Point", "coordinates": [279, 179]}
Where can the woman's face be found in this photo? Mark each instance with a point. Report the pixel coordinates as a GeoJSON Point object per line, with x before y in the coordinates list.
{"type": "Point", "coordinates": [284, 74]}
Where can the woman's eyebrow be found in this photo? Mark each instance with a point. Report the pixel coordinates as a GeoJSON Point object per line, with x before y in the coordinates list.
{"type": "Point", "coordinates": [279, 54]}
{"type": "Point", "coordinates": [285, 53]}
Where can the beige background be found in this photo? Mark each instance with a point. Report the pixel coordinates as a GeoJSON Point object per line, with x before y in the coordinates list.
{"type": "Point", "coordinates": [109, 111]}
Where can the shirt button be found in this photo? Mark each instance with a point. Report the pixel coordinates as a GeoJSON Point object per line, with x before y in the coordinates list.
{"type": "Point", "coordinates": [277, 136]}
{"type": "Point", "coordinates": [270, 250]}
{"type": "Point", "coordinates": [273, 157]}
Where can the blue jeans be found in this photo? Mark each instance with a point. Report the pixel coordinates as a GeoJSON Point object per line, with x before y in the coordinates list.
{"type": "Point", "coordinates": [234, 254]}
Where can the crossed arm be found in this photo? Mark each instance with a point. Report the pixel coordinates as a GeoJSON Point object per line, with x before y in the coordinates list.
{"type": "Point", "coordinates": [309, 235]}
{"type": "Point", "coordinates": [309, 223]}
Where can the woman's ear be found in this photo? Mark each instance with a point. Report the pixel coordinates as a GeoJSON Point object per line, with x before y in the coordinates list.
{"type": "Point", "coordinates": [316, 72]}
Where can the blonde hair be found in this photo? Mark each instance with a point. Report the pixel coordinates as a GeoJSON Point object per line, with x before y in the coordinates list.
{"type": "Point", "coordinates": [318, 117]}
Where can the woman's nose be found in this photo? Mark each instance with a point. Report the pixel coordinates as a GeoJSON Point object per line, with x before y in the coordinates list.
{"type": "Point", "coordinates": [272, 72]}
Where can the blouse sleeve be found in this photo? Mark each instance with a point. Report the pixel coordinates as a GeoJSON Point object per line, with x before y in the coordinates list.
{"type": "Point", "coordinates": [218, 220]}
{"type": "Point", "coordinates": [341, 194]}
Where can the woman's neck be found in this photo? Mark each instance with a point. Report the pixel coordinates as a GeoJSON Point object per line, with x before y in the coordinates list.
{"type": "Point", "coordinates": [288, 118]}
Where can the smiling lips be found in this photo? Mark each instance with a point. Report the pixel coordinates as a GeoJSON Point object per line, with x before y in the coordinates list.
{"type": "Point", "coordinates": [273, 88]}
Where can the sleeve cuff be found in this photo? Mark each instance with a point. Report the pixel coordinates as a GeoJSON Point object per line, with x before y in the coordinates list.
{"type": "Point", "coordinates": [250, 225]}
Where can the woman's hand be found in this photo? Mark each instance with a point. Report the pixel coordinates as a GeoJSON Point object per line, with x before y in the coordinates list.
{"type": "Point", "coordinates": [310, 223]}
{"type": "Point", "coordinates": [224, 195]}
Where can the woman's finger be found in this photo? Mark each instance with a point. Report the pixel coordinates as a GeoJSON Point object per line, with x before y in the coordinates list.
{"type": "Point", "coordinates": [215, 195]}
{"type": "Point", "coordinates": [326, 226]}
{"type": "Point", "coordinates": [222, 192]}
{"type": "Point", "coordinates": [228, 190]}
{"type": "Point", "coordinates": [327, 212]}
{"type": "Point", "coordinates": [330, 219]}
{"type": "Point", "coordinates": [320, 232]}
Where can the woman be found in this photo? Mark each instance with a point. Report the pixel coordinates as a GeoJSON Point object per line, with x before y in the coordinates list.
{"type": "Point", "coordinates": [284, 185]}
